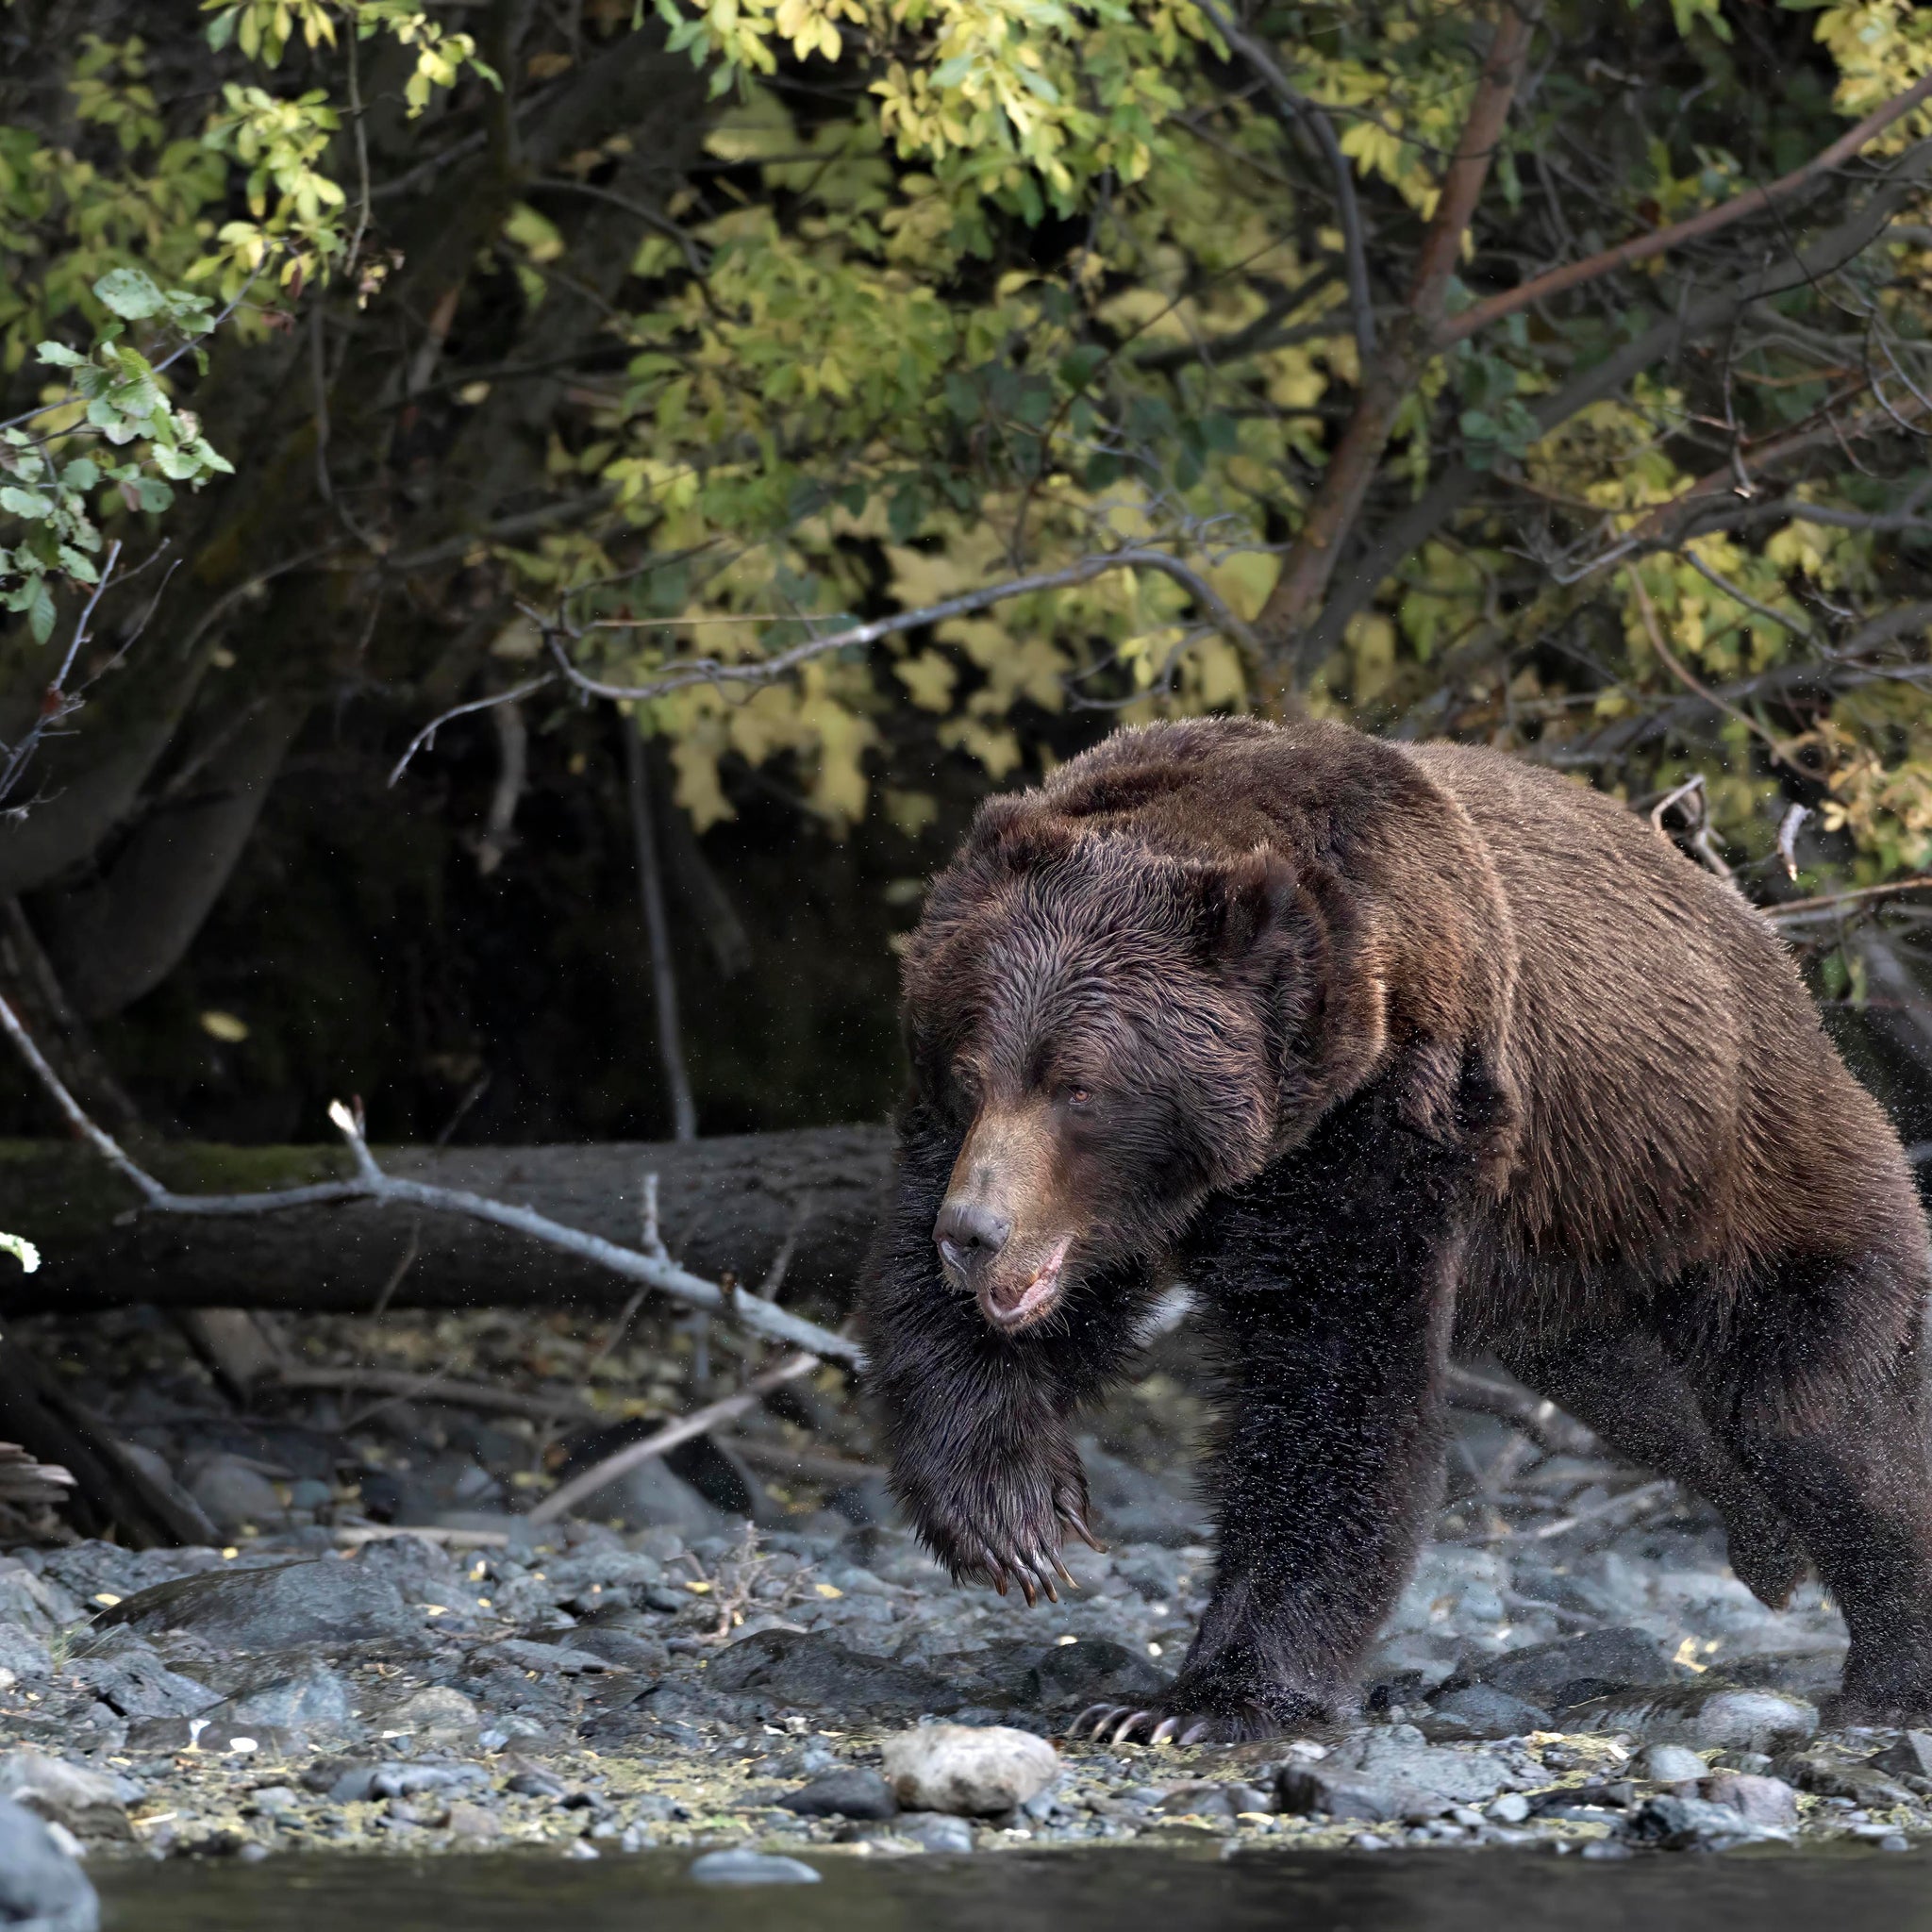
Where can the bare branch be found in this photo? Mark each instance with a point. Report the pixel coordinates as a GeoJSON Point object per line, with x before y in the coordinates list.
{"type": "Point", "coordinates": [1319, 128]}
{"type": "Point", "coordinates": [427, 737]}
{"type": "Point", "coordinates": [371, 1184]}
{"type": "Point", "coordinates": [1859, 895]}
{"type": "Point", "coordinates": [1662, 241]}
{"type": "Point", "coordinates": [767, 669]}
{"type": "Point", "coordinates": [700, 1421]}
{"type": "Point", "coordinates": [1655, 631]}
{"type": "Point", "coordinates": [1386, 382]}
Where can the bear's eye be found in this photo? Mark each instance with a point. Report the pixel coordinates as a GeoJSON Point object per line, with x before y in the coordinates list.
{"type": "Point", "coordinates": [1078, 1096]}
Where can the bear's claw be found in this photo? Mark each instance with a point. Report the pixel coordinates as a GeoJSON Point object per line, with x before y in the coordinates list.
{"type": "Point", "coordinates": [1123, 1721]}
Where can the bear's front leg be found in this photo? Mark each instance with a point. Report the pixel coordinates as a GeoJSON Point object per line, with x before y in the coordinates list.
{"type": "Point", "coordinates": [976, 1421]}
{"type": "Point", "coordinates": [1330, 1284]}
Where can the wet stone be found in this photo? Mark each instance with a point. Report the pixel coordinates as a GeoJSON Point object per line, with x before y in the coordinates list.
{"type": "Point", "coordinates": [1702, 1716]}
{"type": "Point", "coordinates": [312, 1699]}
{"type": "Point", "coordinates": [41, 1888]}
{"type": "Point", "coordinates": [787, 1667]}
{"type": "Point", "coordinates": [967, 1770]}
{"type": "Point", "coordinates": [137, 1684]}
{"type": "Point", "coordinates": [274, 1608]}
{"type": "Point", "coordinates": [87, 1803]}
{"type": "Point", "coordinates": [1674, 1824]}
{"type": "Point", "coordinates": [751, 1868]}
{"type": "Point", "coordinates": [440, 1710]}
{"type": "Point", "coordinates": [1486, 1711]}
{"type": "Point", "coordinates": [1576, 1668]}
{"type": "Point", "coordinates": [936, 1831]}
{"type": "Point", "coordinates": [1911, 1756]}
{"type": "Point", "coordinates": [1761, 1800]}
{"type": "Point", "coordinates": [522, 1654]}
{"type": "Point", "coordinates": [852, 1793]}
{"type": "Point", "coordinates": [235, 1496]}
{"type": "Point", "coordinates": [1668, 1764]}
{"type": "Point", "coordinates": [1094, 1670]}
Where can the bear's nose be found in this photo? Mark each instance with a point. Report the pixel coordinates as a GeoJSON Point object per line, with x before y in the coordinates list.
{"type": "Point", "coordinates": [969, 1234]}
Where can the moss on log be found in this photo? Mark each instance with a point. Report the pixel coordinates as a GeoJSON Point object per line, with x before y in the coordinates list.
{"type": "Point", "coordinates": [725, 1206]}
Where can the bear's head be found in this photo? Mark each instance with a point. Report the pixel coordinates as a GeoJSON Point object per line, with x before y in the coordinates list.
{"type": "Point", "coordinates": [1110, 1032]}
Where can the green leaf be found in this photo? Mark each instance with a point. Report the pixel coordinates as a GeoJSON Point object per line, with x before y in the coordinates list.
{"type": "Point", "coordinates": [83, 473]}
{"type": "Point", "coordinates": [25, 503]}
{"type": "Point", "coordinates": [40, 611]}
{"type": "Point", "coordinates": [153, 494]}
{"type": "Point", "coordinates": [58, 356]}
{"type": "Point", "coordinates": [130, 292]}
{"type": "Point", "coordinates": [1078, 365]}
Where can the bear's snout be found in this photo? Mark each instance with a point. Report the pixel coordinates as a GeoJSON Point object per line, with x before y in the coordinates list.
{"type": "Point", "coordinates": [970, 1233]}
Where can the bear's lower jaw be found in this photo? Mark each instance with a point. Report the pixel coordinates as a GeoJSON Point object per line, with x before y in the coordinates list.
{"type": "Point", "coordinates": [1037, 1295]}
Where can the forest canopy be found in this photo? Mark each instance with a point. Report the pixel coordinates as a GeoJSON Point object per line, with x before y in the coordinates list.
{"type": "Point", "coordinates": [874, 401]}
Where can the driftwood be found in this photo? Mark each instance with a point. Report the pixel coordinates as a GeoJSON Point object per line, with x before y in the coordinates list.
{"type": "Point", "coordinates": [728, 1206]}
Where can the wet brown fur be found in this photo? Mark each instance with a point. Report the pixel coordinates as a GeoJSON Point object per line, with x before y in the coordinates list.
{"type": "Point", "coordinates": [1391, 1043]}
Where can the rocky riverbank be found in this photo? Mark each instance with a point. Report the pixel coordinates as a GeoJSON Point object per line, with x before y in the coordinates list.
{"type": "Point", "coordinates": [594, 1693]}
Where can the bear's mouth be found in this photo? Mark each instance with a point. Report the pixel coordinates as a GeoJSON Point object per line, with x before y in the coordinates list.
{"type": "Point", "coordinates": [1013, 1305]}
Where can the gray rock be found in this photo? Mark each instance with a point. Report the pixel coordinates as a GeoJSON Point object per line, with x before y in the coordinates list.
{"type": "Point", "coordinates": [650, 1496]}
{"type": "Point", "coordinates": [1221, 1802]}
{"type": "Point", "coordinates": [424, 1573]}
{"type": "Point", "coordinates": [1703, 1716]}
{"type": "Point", "coordinates": [1311, 1791]}
{"type": "Point", "coordinates": [438, 1711]}
{"type": "Point", "coordinates": [41, 1888]}
{"type": "Point", "coordinates": [234, 1497]}
{"type": "Point", "coordinates": [137, 1684]}
{"type": "Point", "coordinates": [1668, 1764]}
{"type": "Point", "coordinates": [1911, 1756]}
{"type": "Point", "coordinates": [22, 1653]}
{"type": "Point", "coordinates": [314, 1699]}
{"type": "Point", "coordinates": [31, 1604]}
{"type": "Point", "coordinates": [629, 1650]}
{"type": "Point", "coordinates": [969, 1772]}
{"type": "Point", "coordinates": [1486, 1711]}
{"type": "Point", "coordinates": [936, 1830]}
{"type": "Point", "coordinates": [1677, 1823]}
{"type": "Point", "coordinates": [1836, 1777]}
{"type": "Point", "coordinates": [751, 1868]}
{"type": "Point", "coordinates": [1090, 1671]}
{"type": "Point", "coordinates": [155, 1468]}
{"type": "Point", "coordinates": [523, 1653]}
{"type": "Point", "coordinates": [1573, 1668]}
{"type": "Point", "coordinates": [851, 1793]}
{"type": "Point", "coordinates": [791, 1667]}
{"type": "Point", "coordinates": [1397, 1755]}
{"type": "Point", "coordinates": [1761, 1800]}
{"type": "Point", "coordinates": [274, 1607]}
{"type": "Point", "coordinates": [87, 1803]}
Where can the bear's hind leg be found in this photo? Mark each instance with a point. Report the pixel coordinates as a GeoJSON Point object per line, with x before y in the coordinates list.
{"type": "Point", "coordinates": [1621, 1385]}
{"type": "Point", "coordinates": [1814, 1375]}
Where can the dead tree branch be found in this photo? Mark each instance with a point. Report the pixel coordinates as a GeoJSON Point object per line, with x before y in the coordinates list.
{"type": "Point", "coordinates": [700, 1421]}
{"type": "Point", "coordinates": [370, 1183]}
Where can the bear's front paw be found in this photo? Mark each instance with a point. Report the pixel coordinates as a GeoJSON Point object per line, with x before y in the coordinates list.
{"type": "Point", "coordinates": [1209, 1714]}
{"type": "Point", "coordinates": [1014, 1538]}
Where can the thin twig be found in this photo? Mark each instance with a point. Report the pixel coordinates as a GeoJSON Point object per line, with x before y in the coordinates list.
{"type": "Point", "coordinates": [1321, 131]}
{"type": "Point", "coordinates": [1655, 631]}
{"type": "Point", "coordinates": [1823, 900]}
{"type": "Point", "coordinates": [1662, 241]}
{"type": "Point", "coordinates": [699, 1422]}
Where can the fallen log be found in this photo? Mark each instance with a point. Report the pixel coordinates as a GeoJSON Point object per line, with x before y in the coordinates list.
{"type": "Point", "coordinates": [726, 1207]}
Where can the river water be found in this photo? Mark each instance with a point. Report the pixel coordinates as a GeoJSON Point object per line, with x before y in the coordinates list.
{"type": "Point", "coordinates": [1061, 1891]}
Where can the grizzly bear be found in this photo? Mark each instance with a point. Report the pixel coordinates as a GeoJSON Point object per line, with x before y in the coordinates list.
{"type": "Point", "coordinates": [1386, 1050]}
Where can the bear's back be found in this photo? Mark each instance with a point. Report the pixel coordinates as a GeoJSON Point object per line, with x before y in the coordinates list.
{"type": "Point", "coordinates": [1682, 1103]}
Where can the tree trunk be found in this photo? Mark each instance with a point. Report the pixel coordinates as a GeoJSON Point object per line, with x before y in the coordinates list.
{"type": "Point", "coordinates": [727, 1205]}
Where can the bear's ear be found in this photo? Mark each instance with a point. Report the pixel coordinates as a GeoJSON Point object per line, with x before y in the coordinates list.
{"type": "Point", "coordinates": [1241, 901]}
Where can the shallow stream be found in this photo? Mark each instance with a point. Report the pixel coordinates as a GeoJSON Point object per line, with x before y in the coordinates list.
{"type": "Point", "coordinates": [1066, 1891]}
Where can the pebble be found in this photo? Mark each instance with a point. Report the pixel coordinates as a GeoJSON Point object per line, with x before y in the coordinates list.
{"type": "Point", "coordinates": [936, 1831]}
{"type": "Point", "coordinates": [1668, 1764]}
{"type": "Point", "coordinates": [751, 1868]}
{"type": "Point", "coordinates": [1761, 1800]}
{"type": "Point", "coordinates": [440, 1708]}
{"type": "Point", "coordinates": [475, 1822]}
{"type": "Point", "coordinates": [969, 1772]}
